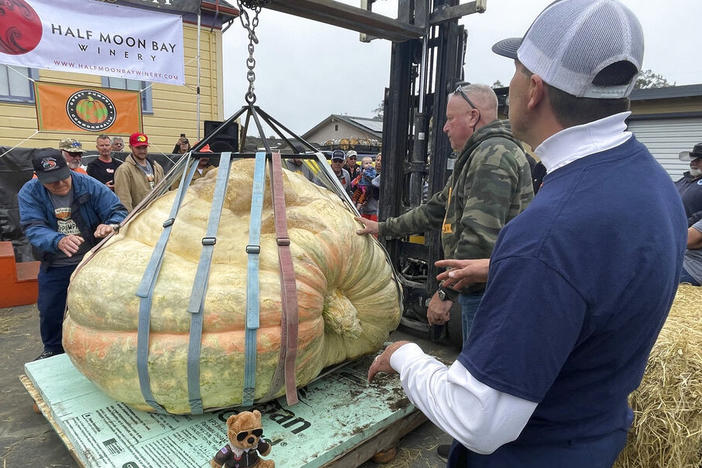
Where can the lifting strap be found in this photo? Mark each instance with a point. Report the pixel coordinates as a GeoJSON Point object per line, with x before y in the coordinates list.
{"type": "Point", "coordinates": [145, 292]}
{"type": "Point", "coordinates": [253, 249]}
{"type": "Point", "coordinates": [288, 290]}
{"type": "Point", "coordinates": [197, 297]}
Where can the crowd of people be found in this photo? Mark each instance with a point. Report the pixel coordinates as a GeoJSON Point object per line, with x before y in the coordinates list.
{"type": "Point", "coordinates": [360, 181]}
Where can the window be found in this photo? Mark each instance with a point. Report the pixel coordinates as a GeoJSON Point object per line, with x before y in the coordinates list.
{"type": "Point", "coordinates": [132, 85]}
{"type": "Point", "coordinates": [16, 83]}
{"type": "Point", "coordinates": [336, 127]}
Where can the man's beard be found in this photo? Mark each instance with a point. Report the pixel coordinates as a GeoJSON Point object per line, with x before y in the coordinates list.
{"type": "Point", "coordinates": [73, 165]}
{"type": "Point", "coordinates": [694, 172]}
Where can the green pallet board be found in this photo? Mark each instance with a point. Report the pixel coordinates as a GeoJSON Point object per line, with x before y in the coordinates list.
{"type": "Point", "coordinates": [336, 413]}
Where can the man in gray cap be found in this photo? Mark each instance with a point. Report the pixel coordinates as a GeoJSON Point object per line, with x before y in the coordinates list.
{"type": "Point", "coordinates": [690, 184]}
{"type": "Point", "coordinates": [577, 290]}
{"type": "Point", "coordinates": [63, 214]}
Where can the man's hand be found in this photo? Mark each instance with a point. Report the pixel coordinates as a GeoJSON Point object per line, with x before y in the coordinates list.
{"type": "Point", "coordinates": [70, 244]}
{"type": "Point", "coordinates": [382, 362]}
{"type": "Point", "coordinates": [369, 226]}
{"type": "Point", "coordinates": [110, 184]}
{"type": "Point", "coordinates": [103, 230]}
{"type": "Point", "coordinates": [461, 273]}
{"type": "Point", "coordinates": [438, 311]}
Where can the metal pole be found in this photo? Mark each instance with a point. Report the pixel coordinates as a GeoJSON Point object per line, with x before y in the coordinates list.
{"type": "Point", "coordinates": [199, 19]}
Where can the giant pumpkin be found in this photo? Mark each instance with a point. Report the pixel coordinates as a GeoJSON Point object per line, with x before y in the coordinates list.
{"type": "Point", "coordinates": [347, 294]}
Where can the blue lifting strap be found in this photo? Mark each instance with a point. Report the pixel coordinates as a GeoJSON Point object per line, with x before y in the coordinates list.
{"type": "Point", "coordinates": [145, 292]}
{"type": "Point", "coordinates": [252, 287]}
{"type": "Point", "coordinates": [197, 297]}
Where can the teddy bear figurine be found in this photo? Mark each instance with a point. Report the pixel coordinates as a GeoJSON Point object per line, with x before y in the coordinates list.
{"type": "Point", "coordinates": [244, 431]}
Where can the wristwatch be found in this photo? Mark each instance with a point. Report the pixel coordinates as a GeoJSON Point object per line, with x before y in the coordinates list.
{"type": "Point", "coordinates": [446, 294]}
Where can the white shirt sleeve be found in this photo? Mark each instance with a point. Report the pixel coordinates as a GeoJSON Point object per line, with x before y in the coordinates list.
{"type": "Point", "coordinates": [479, 417]}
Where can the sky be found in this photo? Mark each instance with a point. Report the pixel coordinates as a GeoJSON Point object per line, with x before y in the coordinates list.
{"type": "Point", "coordinates": [306, 70]}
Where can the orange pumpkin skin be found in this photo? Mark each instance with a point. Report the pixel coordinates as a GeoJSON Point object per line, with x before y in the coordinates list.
{"type": "Point", "coordinates": [348, 297]}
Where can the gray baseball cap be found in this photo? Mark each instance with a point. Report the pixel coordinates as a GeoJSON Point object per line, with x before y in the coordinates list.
{"type": "Point", "coordinates": [572, 41]}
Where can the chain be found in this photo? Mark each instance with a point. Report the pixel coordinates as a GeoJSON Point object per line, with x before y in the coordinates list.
{"type": "Point", "coordinates": [250, 26]}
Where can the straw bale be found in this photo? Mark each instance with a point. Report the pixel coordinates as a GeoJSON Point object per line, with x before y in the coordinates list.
{"type": "Point", "coordinates": [667, 428]}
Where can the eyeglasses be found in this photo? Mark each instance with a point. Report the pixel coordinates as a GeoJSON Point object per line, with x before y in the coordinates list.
{"type": "Point", "coordinates": [243, 435]}
{"type": "Point", "coordinates": [464, 96]}
{"type": "Point", "coordinates": [74, 155]}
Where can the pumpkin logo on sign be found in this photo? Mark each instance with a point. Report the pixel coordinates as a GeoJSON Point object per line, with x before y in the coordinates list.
{"type": "Point", "coordinates": [91, 110]}
{"type": "Point", "coordinates": [20, 27]}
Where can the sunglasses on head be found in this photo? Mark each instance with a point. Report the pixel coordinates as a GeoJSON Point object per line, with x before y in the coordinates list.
{"type": "Point", "coordinates": [459, 91]}
{"type": "Point", "coordinates": [243, 435]}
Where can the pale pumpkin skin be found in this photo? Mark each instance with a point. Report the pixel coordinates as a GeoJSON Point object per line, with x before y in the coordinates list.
{"type": "Point", "coordinates": [348, 297]}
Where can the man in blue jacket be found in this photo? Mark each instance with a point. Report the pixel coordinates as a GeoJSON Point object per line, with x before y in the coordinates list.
{"type": "Point", "coordinates": [63, 214]}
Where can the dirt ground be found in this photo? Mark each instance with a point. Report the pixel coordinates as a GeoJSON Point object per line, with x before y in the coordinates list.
{"type": "Point", "coordinates": [27, 439]}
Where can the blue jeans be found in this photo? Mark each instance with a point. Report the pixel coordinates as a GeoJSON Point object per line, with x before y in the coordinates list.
{"type": "Point", "coordinates": [469, 305]}
{"type": "Point", "coordinates": [51, 302]}
{"type": "Point", "coordinates": [686, 277]}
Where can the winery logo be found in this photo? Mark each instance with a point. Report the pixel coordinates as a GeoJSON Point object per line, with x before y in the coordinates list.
{"type": "Point", "coordinates": [91, 110]}
{"type": "Point", "coordinates": [20, 27]}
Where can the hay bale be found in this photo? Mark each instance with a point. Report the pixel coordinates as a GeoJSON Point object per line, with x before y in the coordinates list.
{"type": "Point", "coordinates": [667, 428]}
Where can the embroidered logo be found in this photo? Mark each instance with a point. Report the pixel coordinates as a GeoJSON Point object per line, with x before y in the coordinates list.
{"type": "Point", "coordinates": [48, 164]}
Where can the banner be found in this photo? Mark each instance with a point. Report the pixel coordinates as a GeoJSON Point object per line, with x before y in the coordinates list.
{"type": "Point", "coordinates": [69, 108]}
{"type": "Point", "coordinates": [93, 37]}
{"type": "Point", "coordinates": [184, 6]}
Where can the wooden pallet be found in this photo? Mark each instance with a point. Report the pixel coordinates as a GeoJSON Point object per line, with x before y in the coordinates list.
{"type": "Point", "coordinates": [341, 421]}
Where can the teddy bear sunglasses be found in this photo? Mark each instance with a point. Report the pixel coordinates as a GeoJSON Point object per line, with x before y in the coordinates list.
{"type": "Point", "coordinates": [242, 435]}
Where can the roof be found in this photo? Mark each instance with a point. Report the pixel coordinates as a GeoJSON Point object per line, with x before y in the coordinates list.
{"type": "Point", "coordinates": [221, 7]}
{"type": "Point", "coordinates": [668, 92]}
{"type": "Point", "coordinates": [370, 125]}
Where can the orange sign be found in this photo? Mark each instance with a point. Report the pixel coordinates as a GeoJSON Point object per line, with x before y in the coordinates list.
{"type": "Point", "coordinates": [87, 109]}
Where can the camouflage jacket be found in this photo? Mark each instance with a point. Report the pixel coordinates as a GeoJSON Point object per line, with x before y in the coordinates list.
{"type": "Point", "coordinates": [490, 185]}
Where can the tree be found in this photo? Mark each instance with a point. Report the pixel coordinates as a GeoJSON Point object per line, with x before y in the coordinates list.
{"type": "Point", "coordinates": [497, 84]}
{"type": "Point", "coordinates": [648, 79]}
{"type": "Point", "coordinates": [378, 111]}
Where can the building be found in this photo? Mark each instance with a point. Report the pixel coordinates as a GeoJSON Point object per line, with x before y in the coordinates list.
{"type": "Point", "coordinates": [167, 110]}
{"type": "Point", "coordinates": [667, 120]}
{"type": "Point", "coordinates": [363, 134]}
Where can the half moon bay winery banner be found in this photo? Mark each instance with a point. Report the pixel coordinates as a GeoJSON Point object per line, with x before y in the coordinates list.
{"type": "Point", "coordinates": [83, 109]}
{"type": "Point", "coordinates": [93, 37]}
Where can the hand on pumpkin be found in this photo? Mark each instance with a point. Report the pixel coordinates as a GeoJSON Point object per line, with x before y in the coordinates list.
{"type": "Point", "coordinates": [382, 362]}
{"type": "Point", "coordinates": [70, 244]}
{"type": "Point", "coordinates": [369, 226]}
{"type": "Point", "coordinates": [103, 230]}
{"type": "Point", "coordinates": [461, 273]}
{"type": "Point", "coordinates": [438, 311]}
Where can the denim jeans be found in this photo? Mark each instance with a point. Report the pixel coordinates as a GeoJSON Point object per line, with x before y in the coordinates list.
{"type": "Point", "coordinates": [686, 277]}
{"type": "Point", "coordinates": [469, 305]}
{"type": "Point", "coordinates": [51, 302]}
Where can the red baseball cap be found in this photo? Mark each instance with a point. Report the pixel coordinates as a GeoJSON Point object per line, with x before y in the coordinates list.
{"type": "Point", "coordinates": [138, 139]}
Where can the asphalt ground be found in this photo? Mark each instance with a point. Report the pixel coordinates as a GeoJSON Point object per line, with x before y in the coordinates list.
{"type": "Point", "coordinates": [27, 438]}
